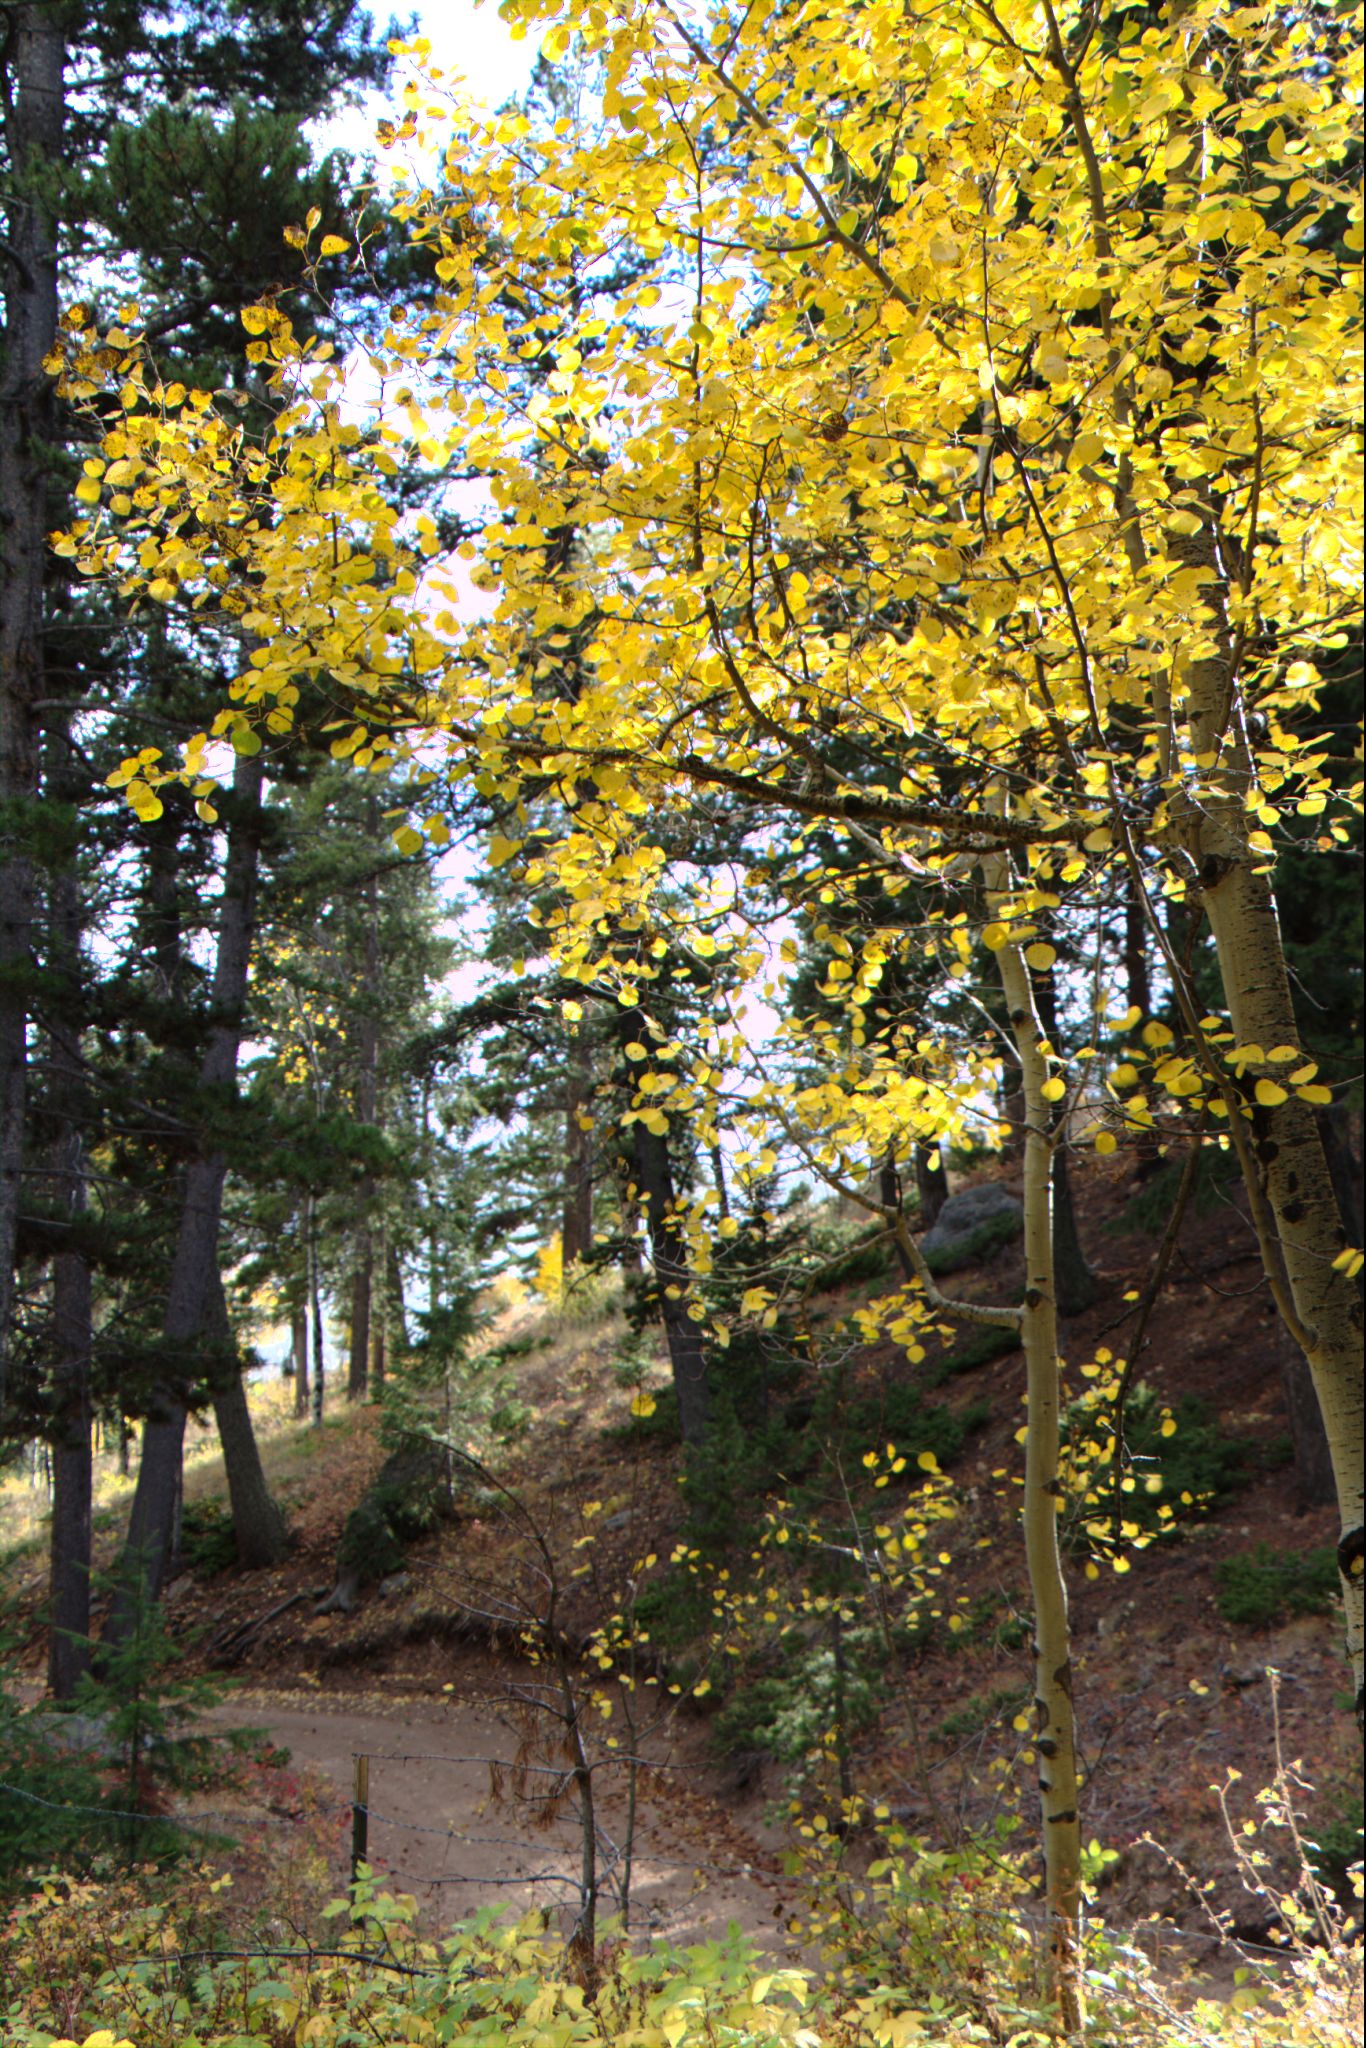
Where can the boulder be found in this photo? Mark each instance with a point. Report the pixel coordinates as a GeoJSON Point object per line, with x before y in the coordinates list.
{"type": "Point", "coordinates": [971, 1225]}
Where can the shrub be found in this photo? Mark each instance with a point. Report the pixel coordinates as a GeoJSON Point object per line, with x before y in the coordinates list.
{"type": "Point", "coordinates": [979, 1347]}
{"type": "Point", "coordinates": [1147, 1211]}
{"type": "Point", "coordinates": [1260, 1587]}
{"type": "Point", "coordinates": [208, 1545]}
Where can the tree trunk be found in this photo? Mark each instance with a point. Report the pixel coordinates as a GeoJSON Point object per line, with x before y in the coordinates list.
{"type": "Point", "coordinates": [367, 1105]}
{"type": "Point", "coordinates": [72, 1476]}
{"type": "Point", "coordinates": [298, 1337]}
{"type": "Point", "coordinates": [931, 1183]}
{"type": "Point", "coordinates": [1344, 1167]}
{"type": "Point", "coordinates": [315, 1303]}
{"type": "Point", "coordinates": [72, 1489]}
{"type": "Point", "coordinates": [34, 109]}
{"type": "Point", "coordinates": [153, 1537]}
{"type": "Point", "coordinates": [1137, 981]}
{"type": "Point", "coordinates": [395, 1309]}
{"type": "Point", "coordinates": [358, 1357]}
{"type": "Point", "coordinates": [1075, 1282]}
{"type": "Point", "coordinates": [576, 1230]}
{"type": "Point", "coordinates": [257, 1523]}
{"type": "Point", "coordinates": [1314, 1486]}
{"type": "Point", "coordinates": [1287, 1157]}
{"type": "Point", "coordinates": [889, 1194]}
{"type": "Point", "coordinates": [1055, 1730]}
{"type": "Point", "coordinates": [673, 1278]}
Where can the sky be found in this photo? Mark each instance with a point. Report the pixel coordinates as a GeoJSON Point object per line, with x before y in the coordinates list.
{"type": "Point", "coordinates": [467, 39]}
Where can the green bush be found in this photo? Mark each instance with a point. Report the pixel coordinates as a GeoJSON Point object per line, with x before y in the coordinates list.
{"type": "Point", "coordinates": [208, 1545]}
{"type": "Point", "coordinates": [1260, 1587]}
{"type": "Point", "coordinates": [982, 1710]}
{"type": "Point", "coordinates": [979, 1347]}
{"type": "Point", "coordinates": [902, 1416]}
{"type": "Point", "coordinates": [792, 1712]}
{"type": "Point", "coordinates": [1147, 1211]}
{"type": "Point", "coordinates": [1337, 1848]}
{"type": "Point", "coordinates": [410, 1495]}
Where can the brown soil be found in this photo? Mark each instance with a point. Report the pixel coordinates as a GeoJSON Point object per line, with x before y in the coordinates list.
{"type": "Point", "coordinates": [447, 1823]}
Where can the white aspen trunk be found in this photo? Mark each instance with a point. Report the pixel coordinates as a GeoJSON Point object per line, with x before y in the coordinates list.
{"type": "Point", "coordinates": [1286, 1145]}
{"type": "Point", "coordinates": [1055, 1736]}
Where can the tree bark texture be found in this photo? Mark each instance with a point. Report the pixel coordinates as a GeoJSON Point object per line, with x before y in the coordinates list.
{"type": "Point", "coordinates": [72, 1422]}
{"type": "Point", "coordinates": [257, 1523]}
{"type": "Point", "coordinates": [367, 1106]}
{"type": "Point", "coordinates": [315, 1304]}
{"type": "Point", "coordinates": [153, 1534]}
{"type": "Point", "coordinates": [34, 112]}
{"type": "Point", "coordinates": [889, 1194]}
{"type": "Point", "coordinates": [1073, 1278]}
{"type": "Point", "coordinates": [298, 1339]}
{"type": "Point", "coordinates": [1287, 1155]}
{"type": "Point", "coordinates": [576, 1232]}
{"type": "Point", "coordinates": [931, 1183]}
{"type": "Point", "coordinates": [669, 1256]}
{"type": "Point", "coordinates": [1137, 980]}
{"type": "Point", "coordinates": [1055, 1734]}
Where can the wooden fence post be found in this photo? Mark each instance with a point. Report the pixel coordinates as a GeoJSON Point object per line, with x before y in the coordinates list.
{"type": "Point", "coordinates": [360, 1815]}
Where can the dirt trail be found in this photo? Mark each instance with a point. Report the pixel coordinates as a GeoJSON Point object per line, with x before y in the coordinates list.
{"type": "Point", "coordinates": [436, 1830]}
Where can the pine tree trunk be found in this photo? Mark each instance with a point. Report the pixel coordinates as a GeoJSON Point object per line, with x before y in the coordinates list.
{"type": "Point", "coordinates": [1137, 981]}
{"type": "Point", "coordinates": [358, 1356]}
{"type": "Point", "coordinates": [257, 1523]}
{"type": "Point", "coordinates": [153, 1537]}
{"type": "Point", "coordinates": [931, 1183]}
{"type": "Point", "coordinates": [34, 111]}
{"type": "Point", "coordinates": [889, 1195]}
{"type": "Point", "coordinates": [395, 1308]}
{"type": "Point", "coordinates": [298, 1336]}
{"type": "Point", "coordinates": [576, 1230]}
{"type": "Point", "coordinates": [1075, 1282]}
{"type": "Point", "coordinates": [72, 1475]}
{"type": "Point", "coordinates": [315, 1303]}
{"type": "Point", "coordinates": [673, 1278]}
{"type": "Point", "coordinates": [367, 1105]}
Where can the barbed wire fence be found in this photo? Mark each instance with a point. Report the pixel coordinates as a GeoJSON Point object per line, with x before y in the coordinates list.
{"type": "Point", "coordinates": [211, 1826]}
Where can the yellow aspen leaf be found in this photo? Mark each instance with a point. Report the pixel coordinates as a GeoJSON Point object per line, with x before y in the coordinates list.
{"type": "Point", "coordinates": [1270, 1094]}
{"type": "Point", "coordinates": [1040, 956]}
{"type": "Point", "coordinates": [1106, 1142]}
{"type": "Point", "coordinates": [333, 245]}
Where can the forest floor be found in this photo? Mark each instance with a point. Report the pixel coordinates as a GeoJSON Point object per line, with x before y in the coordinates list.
{"type": "Point", "coordinates": [1173, 1699]}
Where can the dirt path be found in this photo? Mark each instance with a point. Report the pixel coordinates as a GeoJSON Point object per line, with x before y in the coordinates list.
{"type": "Point", "coordinates": [437, 1830]}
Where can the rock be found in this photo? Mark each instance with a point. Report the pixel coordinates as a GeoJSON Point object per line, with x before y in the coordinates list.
{"type": "Point", "coordinates": [970, 1225]}
{"type": "Point", "coordinates": [396, 1583]}
{"type": "Point", "coordinates": [78, 1734]}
